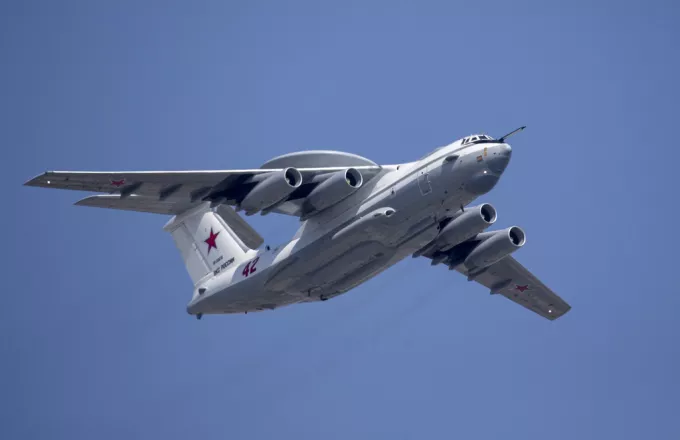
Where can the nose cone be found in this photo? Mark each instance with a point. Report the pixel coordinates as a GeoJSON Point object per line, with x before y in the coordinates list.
{"type": "Point", "coordinates": [499, 158]}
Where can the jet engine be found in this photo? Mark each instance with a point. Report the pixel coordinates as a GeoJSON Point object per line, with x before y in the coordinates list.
{"type": "Point", "coordinates": [494, 246]}
{"type": "Point", "coordinates": [466, 225]}
{"type": "Point", "coordinates": [274, 188]}
{"type": "Point", "coordinates": [334, 189]}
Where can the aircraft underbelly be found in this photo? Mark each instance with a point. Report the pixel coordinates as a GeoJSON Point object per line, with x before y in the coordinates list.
{"type": "Point", "coordinates": [324, 269]}
{"type": "Point", "coordinates": [329, 267]}
{"type": "Point", "coordinates": [343, 266]}
{"type": "Point", "coordinates": [338, 262]}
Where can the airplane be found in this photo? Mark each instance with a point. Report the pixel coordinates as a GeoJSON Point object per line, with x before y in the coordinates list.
{"type": "Point", "coordinates": [358, 219]}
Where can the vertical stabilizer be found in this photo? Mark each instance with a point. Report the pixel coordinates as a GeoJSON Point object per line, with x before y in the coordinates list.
{"type": "Point", "coordinates": [206, 242]}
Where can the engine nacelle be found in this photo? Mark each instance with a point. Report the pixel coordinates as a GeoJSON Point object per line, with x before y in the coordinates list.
{"type": "Point", "coordinates": [495, 246]}
{"type": "Point", "coordinates": [468, 224]}
{"type": "Point", "coordinates": [274, 188]}
{"type": "Point", "coordinates": [334, 189]}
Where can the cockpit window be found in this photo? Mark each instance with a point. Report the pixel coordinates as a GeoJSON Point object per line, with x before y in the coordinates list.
{"type": "Point", "coordinates": [476, 139]}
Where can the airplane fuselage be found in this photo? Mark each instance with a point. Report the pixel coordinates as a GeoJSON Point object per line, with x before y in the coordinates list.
{"type": "Point", "coordinates": [393, 215]}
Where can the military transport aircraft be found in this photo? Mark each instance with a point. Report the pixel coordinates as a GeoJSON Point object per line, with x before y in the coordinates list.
{"type": "Point", "coordinates": [358, 219]}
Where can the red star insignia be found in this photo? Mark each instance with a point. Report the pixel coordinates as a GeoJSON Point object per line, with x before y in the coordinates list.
{"type": "Point", "coordinates": [118, 183]}
{"type": "Point", "coordinates": [521, 288]}
{"type": "Point", "coordinates": [211, 240]}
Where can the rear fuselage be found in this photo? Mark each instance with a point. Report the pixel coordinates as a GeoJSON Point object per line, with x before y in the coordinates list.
{"type": "Point", "coordinates": [387, 219]}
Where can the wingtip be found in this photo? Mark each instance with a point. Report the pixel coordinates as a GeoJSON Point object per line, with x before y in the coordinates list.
{"type": "Point", "coordinates": [82, 202]}
{"type": "Point", "coordinates": [565, 310]}
{"type": "Point", "coordinates": [39, 180]}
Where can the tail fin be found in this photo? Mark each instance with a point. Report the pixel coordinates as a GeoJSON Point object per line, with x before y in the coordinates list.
{"type": "Point", "coordinates": [207, 243]}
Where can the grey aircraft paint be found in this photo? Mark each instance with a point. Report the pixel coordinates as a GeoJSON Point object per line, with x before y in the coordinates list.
{"type": "Point", "coordinates": [357, 219]}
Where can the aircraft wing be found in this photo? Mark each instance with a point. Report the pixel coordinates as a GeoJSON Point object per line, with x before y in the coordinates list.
{"type": "Point", "coordinates": [510, 279]}
{"type": "Point", "coordinates": [165, 186]}
{"type": "Point", "coordinates": [172, 192]}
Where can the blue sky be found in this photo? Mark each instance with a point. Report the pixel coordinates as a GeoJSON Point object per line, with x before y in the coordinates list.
{"type": "Point", "coordinates": [96, 341]}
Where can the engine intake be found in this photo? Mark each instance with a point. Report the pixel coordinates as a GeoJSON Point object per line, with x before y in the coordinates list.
{"type": "Point", "coordinates": [334, 189]}
{"type": "Point", "coordinates": [468, 224]}
{"type": "Point", "coordinates": [495, 246]}
{"type": "Point", "coordinates": [274, 188]}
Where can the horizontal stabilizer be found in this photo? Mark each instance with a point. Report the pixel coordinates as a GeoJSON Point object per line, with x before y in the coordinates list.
{"type": "Point", "coordinates": [135, 203]}
{"type": "Point", "coordinates": [239, 226]}
{"type": "Point", "coordinates": [249, 236]}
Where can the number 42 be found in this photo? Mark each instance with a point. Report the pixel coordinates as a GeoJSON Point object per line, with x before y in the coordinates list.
{"type": "Point", "coordinates": [250, 267]}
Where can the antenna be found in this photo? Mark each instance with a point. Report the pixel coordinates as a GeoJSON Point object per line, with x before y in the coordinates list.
{"type": "Point", "coordinates": [503, 138]}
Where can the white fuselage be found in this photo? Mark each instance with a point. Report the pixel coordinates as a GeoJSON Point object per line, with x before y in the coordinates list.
{"type": "Point", "coordinates": [387, 219]}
